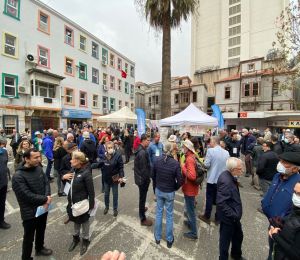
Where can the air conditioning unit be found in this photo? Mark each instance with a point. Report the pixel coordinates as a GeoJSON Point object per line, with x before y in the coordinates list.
{"type": "Point", "coordinates": [31, 59]}
{"type": "Point", "coordinates": [105, 87]}
{"type": "Point", "coordinates": [23, 90]}
{"type": "Point", "coordinates": [105, 111]}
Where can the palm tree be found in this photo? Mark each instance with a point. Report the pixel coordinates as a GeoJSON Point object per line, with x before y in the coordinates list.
{"type": "Point", "coordinates": [164, 15]}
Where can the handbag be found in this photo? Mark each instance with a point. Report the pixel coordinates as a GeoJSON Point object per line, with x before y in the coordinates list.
{"type": "Point", "coordinates": [80, 207]}
{"type": "Point", "coordinates": [115, 177]}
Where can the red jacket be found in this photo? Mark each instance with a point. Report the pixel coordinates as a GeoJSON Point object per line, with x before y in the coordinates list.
{"type": "Point", "coordinates": [136, 143]}
{"type": "Point", "coordinates": [189, 175]}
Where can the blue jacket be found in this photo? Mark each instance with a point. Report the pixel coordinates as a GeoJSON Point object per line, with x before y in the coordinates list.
{"type": "Point", "coordinates": [154, 151]}
{"type": "Point", "coordinates": [48, 147]}
{"type": "Point", "coordinates": [101, 151]}
{"type": "Point", "coordinates": [229, 204]}
{"type": "Point", "coordinates": [247, 143]}
{"type": "Point", "coordinates": [278, 200]}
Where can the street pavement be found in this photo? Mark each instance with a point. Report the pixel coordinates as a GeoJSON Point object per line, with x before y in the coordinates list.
{"type": "Point", "coordinates": [125, 232]}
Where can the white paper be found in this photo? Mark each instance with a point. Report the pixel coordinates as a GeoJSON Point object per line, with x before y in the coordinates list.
{"type": "Point", "coordinates": [94, 210]}
{"type": "Point", "coordinates": [67, 188]}
{"type": "Point", "coordinates": [157, 152]}
{"type": "Point", "coordinates": [234, 150]}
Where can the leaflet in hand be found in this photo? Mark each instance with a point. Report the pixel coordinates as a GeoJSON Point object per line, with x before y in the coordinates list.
{"type": "Point", "coordinates": [41, 210]}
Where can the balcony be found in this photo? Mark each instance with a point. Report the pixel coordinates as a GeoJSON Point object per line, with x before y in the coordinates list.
{"type": "Point", "coordinates": [45, 102]}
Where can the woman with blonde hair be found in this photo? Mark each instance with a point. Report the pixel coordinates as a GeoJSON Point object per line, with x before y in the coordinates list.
{"type": "Point", "coordinates": [58, 153]}
{"type": "Point", "coordinates": [23, 146]}
{"type": "Point", "coordinates": [81, 192]}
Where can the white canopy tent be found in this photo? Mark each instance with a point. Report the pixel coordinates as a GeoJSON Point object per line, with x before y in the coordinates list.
{"type": "Point", "coordinates": [123, 116]}
{"type": "Point", "coordinates": [191, 116]}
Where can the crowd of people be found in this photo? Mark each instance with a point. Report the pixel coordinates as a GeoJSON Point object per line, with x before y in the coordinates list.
{"type": "Point", "coordinates": [182, 161]}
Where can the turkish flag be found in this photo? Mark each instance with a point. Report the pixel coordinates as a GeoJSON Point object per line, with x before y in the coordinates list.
{"type": "Point", "coordinates": [124, 74]}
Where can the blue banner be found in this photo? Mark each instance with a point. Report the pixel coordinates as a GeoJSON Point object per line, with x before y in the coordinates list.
{"type": "Point", "coordinates": [218, 114]}
{"type": "Point", "coordinates": [74, 113]}
{"type": "Point", "coordinates": [141, 121]}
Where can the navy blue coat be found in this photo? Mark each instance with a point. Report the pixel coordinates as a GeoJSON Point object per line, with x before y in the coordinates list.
{"type": "Point", "coordinates": [247, 143]}
{"type": "Point", "coordinates": [229, 204]}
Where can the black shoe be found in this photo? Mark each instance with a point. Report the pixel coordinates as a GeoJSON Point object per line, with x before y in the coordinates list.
{"type": "Point", "coordinates": [238, 258]}
{"type": "Point", "coordinates": [105, 211]}
{"type": "Point", "coordinates": [4, 225]}
{"type": "Point", "coordinates": [157, 242]}
{"type": "Point", "coordinates": [76, 240]}
{"type": "Point", "coordinates": [169, 244]}
{"type": "Point", "coordinates": [115, 213]}
{"type": "Point", "coordinates": [190, 236]}
{"type": "Point", "coordinates": [44, 252]}
{"type": "Point", "coordinates": [84, 246]}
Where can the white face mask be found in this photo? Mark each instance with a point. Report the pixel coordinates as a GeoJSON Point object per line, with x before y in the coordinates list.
{"type": "Point", "coordinates": [280, 168]}
{"type": "Point", "coordinates": [110, 150]}
{"type": "Point", "coordinates": [296, 200]}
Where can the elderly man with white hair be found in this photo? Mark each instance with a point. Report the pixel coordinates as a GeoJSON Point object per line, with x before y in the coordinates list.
{"type": "Point", "coordinates": [229, 207]}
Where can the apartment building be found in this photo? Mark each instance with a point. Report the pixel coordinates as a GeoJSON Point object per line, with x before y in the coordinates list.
{"type": "Point", "coordinates": [55, 73]}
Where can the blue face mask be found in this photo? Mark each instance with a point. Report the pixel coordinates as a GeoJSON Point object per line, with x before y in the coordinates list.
{"type": "Point", "coordinates": [1, 150]}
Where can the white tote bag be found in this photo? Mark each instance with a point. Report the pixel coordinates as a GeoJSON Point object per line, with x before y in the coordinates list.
{"type": "Point", "coordinates": [80, 207]}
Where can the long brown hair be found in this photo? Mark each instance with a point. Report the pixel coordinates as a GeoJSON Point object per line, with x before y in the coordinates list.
{"type": "Point", "coordinates": [20, 149]}
{"type": "Point", "coordinates": [59, 142]}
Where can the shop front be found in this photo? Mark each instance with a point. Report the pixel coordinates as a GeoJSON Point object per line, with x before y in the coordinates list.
{"type": "Point", "coordinates": [71, 117]}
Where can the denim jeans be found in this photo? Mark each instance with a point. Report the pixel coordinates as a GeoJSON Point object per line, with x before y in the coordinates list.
{"type": "Point", "coordinates": [49, 167]}
{"type": "Point", "coordinates": [190, 211]}
{"type": "Point", "coordinates": [164, 199]}
{"type": "Point", "coordinates": [114, 187]}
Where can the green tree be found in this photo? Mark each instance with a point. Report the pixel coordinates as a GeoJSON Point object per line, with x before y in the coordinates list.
{"type": "Point", "coordinates": [164, 15]}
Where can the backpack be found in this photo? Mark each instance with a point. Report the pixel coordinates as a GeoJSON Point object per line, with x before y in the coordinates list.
{"type": "Point", "coordinates": [200, 172]}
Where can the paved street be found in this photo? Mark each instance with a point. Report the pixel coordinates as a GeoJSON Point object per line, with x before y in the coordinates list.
{"type": "Point", "coordinates": [125, 233]}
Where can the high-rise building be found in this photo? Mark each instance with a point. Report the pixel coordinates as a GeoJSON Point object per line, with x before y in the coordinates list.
{"type": "Point", "coordinates": [225, 32]}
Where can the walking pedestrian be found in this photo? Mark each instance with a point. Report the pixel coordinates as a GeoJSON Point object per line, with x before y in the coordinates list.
{"type": "Point", "coordinates": [48, 151]}
{"type": "Point", "coordinates": [247, 143]}
{"type": "Point", "coordinates": [127, 145]}
{"type": "Point", "coordinates": [88, 147]}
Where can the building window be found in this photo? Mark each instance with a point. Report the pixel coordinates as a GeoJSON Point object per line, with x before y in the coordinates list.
{"type": "Point", "coordinates": [104, 81]}
{"type": "Point", "coordinates": [44, 57]}
{"type": "Point", "coordinates": [119, 64]}
{"type": "Point", "coordinates": [69, 36]}
{"type": "Point", "coordinates": [112, 104]}
{"type": "Point", "coordinates": [233, 62]}
{"type": "Point", "coordinates": [69, 65]}
{"type": "Point", "coordinates": [227, 92]}
{"type": "Point", "coordinates": [251, 67]}
{"type": "Point", "coordinates": [10, 45]}
{"type": "Point", "coordinates": [195, 96]}
{"type": "Point", "coordinates": [104, 56]}
{"type": "Point", "coordinates": [126, 68]}
{"type": "Point", "coordinates": [235, 9]}
{"type": "Point", "coordinates": [69, 96]}
{"type": "Point", "coordinates": [255, 89]}
{"type": "Point", "coordinates": [44, 89]}
{"type": "Point", "coordinates": [95, 101]}
{"type": "Point", "coordinates": [234, 30]}
{"type": "Point", "coordinates": [112, 82]}
{"type": "Point", "coordinates": [95, 75]}
{"type": "Point", "coordinates": [184, 97]}
{"type": "Point", "coordinates": [176, 98]}
{"type": "Point", "coordinates": [132, 107]}
{"type": "Point", "coordinates": [276, 89]}
{"type": "Point", "coordinates": [105, 102]}
{"type": "Point", "coordinates": [112, 60]}
{"type": "Point", "coordinates": [126, 88]}
{"type": "Point", "coordinates": [119, 85]}
{"type": "Point", "coordinates": [44, 22]}
{"type": "Point", "coordinates": [12, 8]}
{"type": "Point", "coordinates": [247, 90]}
{"type": "Point", "coordinates": [82, 43]}
{"type": "Point", "coordinates": [82, 71]}
{"type": "Point", "coordinates": [232, 2]}
{"type": "Point", "coordinates": [234, 41]}
{"type": "Point", "coordinates": [10, 123]}
{"type": "Point", "coordinates": [83, 99]}
{"type": "Point", "coordinates": [234, 52]}
{"type": "Point", "coordinates": [120, 104]}
{"type": "Point", "coordinates": [132, 71]}
{"type": "Point", "coordinates": [155, 100]}
{"type": "Point", "coordinates": [95, 50]}
{"type": "Point", "coordinates": [131, 89]}
{"type": "Point", "coordinates": [126, 104]}
{"type": "Point", "coordinates": [180, 82]}
{"type": "Point", "coordinates": [235, 20]}
{"type": "Point", "coordinates": [149, 102]}
{"type": "Point", "coordinates": [9, 85]}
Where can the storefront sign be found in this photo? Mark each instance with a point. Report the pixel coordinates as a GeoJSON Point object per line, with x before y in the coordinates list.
{"type": "Point", "coordinates": [73, 113]}
{"type": "Point", "coordinates": [243, 115]}
{"type": "Point", "coordinates": [294, 123]}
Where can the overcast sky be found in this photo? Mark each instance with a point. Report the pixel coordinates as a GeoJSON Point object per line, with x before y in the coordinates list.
{"type": "Point", "coordinates": [119, 24]}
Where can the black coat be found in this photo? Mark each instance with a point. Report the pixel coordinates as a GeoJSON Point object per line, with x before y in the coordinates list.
{"type": "Point", "coordinates": [88, 147]}
{"type": "Point", "coordinates": [292, 148]}
{"type": "Point", "coordinates": [229, 204]}
{"type": "Point", "coordinates": [58, 155]}
{"type": "Point", "coordinates": [127, 144]}
{"type": "Point", "coordinates": [266, 165]}
{"type": "Point", "coordinates": [31, 187]}
{"type": "Point", "coordinates": [3, 168]}
{"type": "Point", "coordinates": [82, 188]}
{"type": "Point", "coordinates": [287, 241]}
{"type": "Point", "coordinates": [277, 148]}
{"type": "Point", "coordinates": [142, 169]}
{"type": "Point", "coordinates": [65, 165]}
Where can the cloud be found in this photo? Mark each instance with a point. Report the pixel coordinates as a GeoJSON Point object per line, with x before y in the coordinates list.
{"type": "Point", "coordinates": [120, 25]}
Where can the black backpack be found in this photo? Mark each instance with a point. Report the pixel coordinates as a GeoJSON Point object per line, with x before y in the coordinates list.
{"type": "Point", "coordinates": [200, 172]}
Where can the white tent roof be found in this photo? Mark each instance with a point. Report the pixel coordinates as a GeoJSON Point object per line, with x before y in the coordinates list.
{"type": "Point", "coordinates": [190, 116]}
{"type": "Point", "coordinates": [124, 115]}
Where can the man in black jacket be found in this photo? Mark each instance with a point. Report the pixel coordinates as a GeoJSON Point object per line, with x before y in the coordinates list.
{"type": "Point", "coordinates": [88, 147]}
{"type": "Point", "coordinates": [229, 207]}
{"type": "Point", "coordinates": [32, 190]}
{"type": "Point", "coordinates": [277, 145]}
{"type": "Point", "coordinates": [142, 174]}
{"type": "Point", "coordinates": [266, 166]}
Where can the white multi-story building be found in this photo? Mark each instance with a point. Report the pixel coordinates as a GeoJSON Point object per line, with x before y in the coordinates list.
{"type": "Point", "coordinates": [54, 72]}
{"type": "Point", "coordinates": [225, 32]}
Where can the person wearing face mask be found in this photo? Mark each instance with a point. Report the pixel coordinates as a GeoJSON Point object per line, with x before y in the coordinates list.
{"type": "Point", "coordinates": [287, 237]}
{"type": "Point", "coordinates": [229, 208]}
{"type": "Point", "coordinates": [113, 172]}
{"type": "Point", "coordinates": [290, 145]}
{"type": "Point", "coordinates": [277, 203]}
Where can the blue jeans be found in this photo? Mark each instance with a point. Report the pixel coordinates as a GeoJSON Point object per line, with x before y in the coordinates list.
{"type": "Point", "coordinates": [190, 211]}
{"type": "Point", "coordinates": [164, 199]}
{"type": "Point", "coordinates": [114, 187]}
{"type": "Point", "coordinates": [49, 167]}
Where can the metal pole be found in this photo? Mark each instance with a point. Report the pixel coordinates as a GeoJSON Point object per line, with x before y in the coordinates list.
{"type": "Point", "coordinates": [272, 91]}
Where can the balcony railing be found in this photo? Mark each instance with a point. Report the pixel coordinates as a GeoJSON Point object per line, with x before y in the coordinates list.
{"type": "Point", "coordinates": [45, 102]}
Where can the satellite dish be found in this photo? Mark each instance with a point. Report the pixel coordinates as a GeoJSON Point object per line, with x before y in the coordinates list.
{"type": "Point", "coordinates": [30, 57]}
